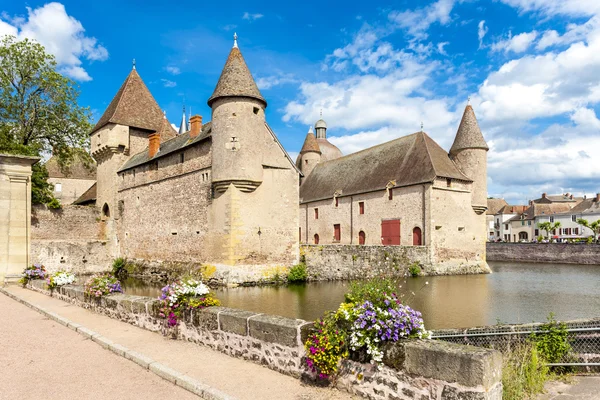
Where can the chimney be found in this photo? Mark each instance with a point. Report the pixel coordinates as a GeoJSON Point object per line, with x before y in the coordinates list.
{"type": "Point", "coordinates": [530, 202]}
{"type": "Point", "coordinates": [571, 197]}
{"type": "Point", "coordinates": [597, 197]}
{"type": "Point", "coordinates": [196, 122]}
{"type": "Point", "coordinates": [154, 144]}
{"type": "Point", "coordinates": [543, 195]}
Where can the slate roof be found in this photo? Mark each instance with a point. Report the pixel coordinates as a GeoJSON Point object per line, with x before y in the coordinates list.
{"type": "Point", "coordinates": [468, 135]}
{"type": "Point", "coordinates": [177, 143]}
{"type": "Point", "coordinates": [408, 160]}
{"type": "Point", "coordinates": [494, 205]}
{"type": "Point", "coordinates": [88, 197]}
{"type": "Point", "coordinates": [77, 170]}
{"type": "Point", "coordinates": [236, 80]}
{"type": "Point", "coordinates": [558, 198]}
{"type": "Point", "coordinates": [587, 206]}
{"type": "Point", "coordinates": [133, 105]}
{"type": "Point", "coordinates": [329, 151]}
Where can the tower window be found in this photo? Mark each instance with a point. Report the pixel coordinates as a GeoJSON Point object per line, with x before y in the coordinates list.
{"type": "Point", "coordinates": [337, 201]}
{"type": "Point", "coordinates": [255, 110]}
{"type": "Point", "coordinates": [448, 182]}
{"type": "Point", "coordinates": [361, 207]}
{"type": "Point", "coordinates": [305, 161]}
{"type": "Point", "coordinates": [337, 232]}
{"type": "Point", "coordinates": [181, 158]}
{"type": "Point", "coordinates": [390, 194]}
{"type": "Point", "coordinates": [316, 213]}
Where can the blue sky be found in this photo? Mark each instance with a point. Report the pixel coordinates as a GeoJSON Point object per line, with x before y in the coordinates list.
{"type": "Point", "coordinates": [530, 67]}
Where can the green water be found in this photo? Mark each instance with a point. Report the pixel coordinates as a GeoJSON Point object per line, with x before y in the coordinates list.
{"type": "Point", "coordinates": [514, 293]}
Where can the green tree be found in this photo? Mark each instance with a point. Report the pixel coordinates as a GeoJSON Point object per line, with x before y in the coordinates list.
{"type": "Point", "coordinates": [39, 114]}
{"type": "Point", "coordinates": [593, 226]}
{"type": "Point", "coordinates": [548, 226]}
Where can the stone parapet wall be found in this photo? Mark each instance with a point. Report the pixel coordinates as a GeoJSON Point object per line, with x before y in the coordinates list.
{"type": "Point", "coordinates": [78, 256]}
{"type": "Point", "coordinates": [67, 223]}
{"type": "Point", "coordinates": [413, 369]}
{"type": "Point", "coordinates": [560, 253]}
{"type": "Point", "coordinates": [346, 262]}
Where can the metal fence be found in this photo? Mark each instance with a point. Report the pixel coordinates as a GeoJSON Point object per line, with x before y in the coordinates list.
{"type": "Point", "coordinates": [583, 337]}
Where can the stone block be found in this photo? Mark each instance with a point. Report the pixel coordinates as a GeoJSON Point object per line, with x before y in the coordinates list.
{"type": "Point", "coordinates": [207, 318]}
{"type": "Point", "coordinates": [153, 308]}
{"type": "Point", "coordinates": [235, 321]}
{"type": "Point", "coordinates": [86, 332]}
{"type": "Point", "coordinates": [275, 329]}
{"type": "Point", "coordinates": [467, 365]}
{"type": "Point", "coordinates": [137, 304]}
{"type": "Point", "coordinates": [165, 372]}
{"type": "Point", "coordinates": [305, 330]}
{"type": "Point", "coordinates": [112, 301]}
{"type": "Point", "coordinates": [68, 291]}
{"type": "Point", "coordinates": [139, 359]}
{"type": "Point", "coordinates": [102, 341]}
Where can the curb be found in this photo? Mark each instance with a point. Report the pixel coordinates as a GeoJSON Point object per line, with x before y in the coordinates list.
{"type": "Point", "coordinates": [183, 381]}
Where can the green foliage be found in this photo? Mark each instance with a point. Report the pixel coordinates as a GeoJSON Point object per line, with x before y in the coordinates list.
{"type": "Point", "coordinates": [540, 238]}
{"type": "Point", "coordinates": [523, 372]}
{"type": "Point", "coordinates": [39, 113]}
{"type": "Point", "coordinates": [414, 269]}
{"type": "Point", "coordinates": [548, 226]}
{"type": "Point", "coordinates": [202, 302]}
{"type": "Point", "coordinates": [326, 346]}
{"type": "Point", "coordinates": [593, 226]}
{"type": "Point", "coordinates": [54, 204]}
{"type": "Point", "coordinates": [297, 274]}
{"type": "Point", "coordinates": [119, 267]}
{"type": "Point", "coordinates": [373, 290]}
{"type": "Point", "coordinates": [552, 341]}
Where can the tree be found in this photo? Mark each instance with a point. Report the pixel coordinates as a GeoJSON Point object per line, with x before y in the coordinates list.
{"type": "Point", "coordinates": [39, 113]}
{"type": "Point", "coordinates": [593, 226]}
{"type": "Point", "coordinates": [548, 226]}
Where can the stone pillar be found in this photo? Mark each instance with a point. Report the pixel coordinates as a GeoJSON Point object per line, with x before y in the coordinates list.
{"type": "Point", "coordinates": [15, 214]}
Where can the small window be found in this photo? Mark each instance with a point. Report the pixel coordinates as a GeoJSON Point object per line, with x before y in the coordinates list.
{"type": "Point", "coordinates": [181, 158]}
{"type": "Point", "coordinates": [316, 213]}
{"type": "Point", "coordinates": [505, 226]}
{"type": "Point", "coordinates": [316, 237]}
{"type": "Point", "coordinates": [537, 232]}
{"type": "Point", "coordinates": [361, 237]}
{"type": "Point", "coordinates": [448, 182]}
{"type": "Point", "coordinates": [306, 162]}
{"type": "Point", "coordinates": [528, 223]}
{"type": "Point", "coordinates": [337, 232]}
{"type": "Point", "coordinates": [337, 201]}
{"type": "Point", "coordinates": [390, 194]}
{"type": "Point", "coordinates": [255, 110]}
{"type": "Point", "coordinates": [134, 172]}
{"type": "Point", "coordinates": [154, 166]}
{"type": "Point", "coordinates": [58, 187]}
{"type": "Point", "coordinates": [576, 231]}
{"type": "Point", "coordinates": [551, 219]}
{"type": "Point", "coordinates": [361, 207]}
{"type": "Point", "coordinates": [574, 218]}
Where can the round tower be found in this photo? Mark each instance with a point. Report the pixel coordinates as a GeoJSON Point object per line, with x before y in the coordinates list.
{"type": "Point", "coordinates": [309, 156]}
{"type": "Point", "coordinates": [329, 151]}
{"type": "Point", "coordinates": [238, 118]}
{"type": "Point", "coordinates": [469, 152]}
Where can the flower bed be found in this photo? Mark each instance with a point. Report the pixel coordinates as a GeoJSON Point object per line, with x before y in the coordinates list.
{"type": "Point", "coordinates": [182, 295]}
{"type": "Point", "coordinates": [371, 317]}
{"type": "Point", "coordinates": [99, 285]}
{"type": "Point", "coordinates": [35, 271]}
{"type": "Point", "coordinates": [60, 278]}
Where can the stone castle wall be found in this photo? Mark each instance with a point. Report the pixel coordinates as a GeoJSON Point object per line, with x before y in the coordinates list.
{"type": "Point", "coordinates": [66, 223]}
{"type": "Point", "coordinates": [559, 253]}
{"type": "Point", "coordinates": [410, 368]}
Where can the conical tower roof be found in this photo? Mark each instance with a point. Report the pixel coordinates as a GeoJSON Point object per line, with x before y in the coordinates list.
{"type": "Point", "coordinates": [183, 128]}
{"type": "Point", "coordinates": [310, 144]}
{"type": "Point", "coordinates": [133, 105]}
{"type": "Point", "coordinates": [236, 79]}
{"type": "Point", "coordinates": [468, 135]}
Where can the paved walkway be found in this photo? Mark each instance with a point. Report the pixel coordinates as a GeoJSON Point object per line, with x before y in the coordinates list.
{"type": "Point", "coordinates": [582, 388]}
{"type": "Point", "coordinates": [237, 378]}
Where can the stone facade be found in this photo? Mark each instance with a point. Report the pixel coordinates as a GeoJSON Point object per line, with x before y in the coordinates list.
{"type": "Point", "coordinates": [15, 214]}
{"type": "Point", "coordinates": [411, 369]}
{"type": "Point", "coordinates": [559, 253]}
{"type": "Point", "coordinates": [67, 190]}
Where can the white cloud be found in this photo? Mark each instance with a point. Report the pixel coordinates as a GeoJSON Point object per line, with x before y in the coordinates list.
{"type": "Point", "coordinates": [586, 118]}
{"type": "Point", "coordinates": [418, 21]}
{"type": "Point", "coordinates": [265, 83]}
{"type": "Point", "coordinates": [516, 44]}
{"type": "Point", "coordinates": [251, 17]}
{"type": "Point", "coordinates": [168, 84]}
{"type": "Point", "coordinates": [440, 48]}
{"type": "Point", "coordinates": [61, 34]}
{"type": "Point", "coordinates": [482, 30]}
{"type": "Point", "coordinates": [576, 8]}
{"type": "Point", "coordinates": [229, 27]}
{"type": "Point", "coordinates": [173, 70]}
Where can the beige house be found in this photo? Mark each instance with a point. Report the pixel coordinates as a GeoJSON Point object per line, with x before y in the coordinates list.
{"type": "Point", "coordinates": [494, 205]}
{"type": "Point", "coordinates": [15, 214]}
{"type": "Point", "coordinates": [70, 183]}
{"type": "Point", "coordinates": [408, 191]}
{"type": "Point", "coordinates": [523, 227]}
{"type": "Point", "coordinates": [223, 192]}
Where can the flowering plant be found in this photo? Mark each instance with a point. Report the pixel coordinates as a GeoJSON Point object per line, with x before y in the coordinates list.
{"type": "Point", "coordinates": [99, 285]}
{"type": "Point", "coordinates": [60, 278]}
{"type": "Point", "coordinates": [181, 295]}
{"type": "Point", "coordinates": [371, 317]}
{"type": "Point", "coordinates": [35, 271]}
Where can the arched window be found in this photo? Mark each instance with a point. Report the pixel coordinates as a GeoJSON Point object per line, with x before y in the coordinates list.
{"type": "Point", "coordinates": [316, 238]}
{"type": "Point", "coordinates": [417, 239]}
{"type": "Point", "coordinates": [105, 211]}
{"type": "Point", "coordinates": [523, 236]}
{"type": "Point", "coordinates": [361, 237]}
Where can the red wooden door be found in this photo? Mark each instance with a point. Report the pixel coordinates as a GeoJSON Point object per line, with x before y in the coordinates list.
{"type": "Point", "coordinates": [390, 232]}
{"type": "Point", "coordinates": [417, 241]}
{"type": "Point", "coordinates": [337, 233]}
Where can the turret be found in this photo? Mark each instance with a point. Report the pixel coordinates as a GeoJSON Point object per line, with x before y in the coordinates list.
{"type": "Point", "coordinates": [328, 150]}
{"type": "Point", "coordinates": [469, 152]}
{"type": "Point", "coordinates": [238, 121]}
{"type": "Point", "coordinates": [310, 155]}
{"type": "Point", "coordinates": [183, 127]}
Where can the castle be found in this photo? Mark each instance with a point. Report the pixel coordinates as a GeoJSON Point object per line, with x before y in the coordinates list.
{"type": "Point", "coordinates": [226, 191]}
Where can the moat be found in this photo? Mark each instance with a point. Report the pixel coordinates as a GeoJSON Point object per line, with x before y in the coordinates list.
{"type": "Point", "coordinates": [514, 293]}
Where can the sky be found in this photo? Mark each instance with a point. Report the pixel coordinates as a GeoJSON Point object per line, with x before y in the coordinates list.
{"type": "Point", "coordinates": [376, 71]}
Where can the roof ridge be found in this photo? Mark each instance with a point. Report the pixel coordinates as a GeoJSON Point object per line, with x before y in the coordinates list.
{"type": "Point", "coordinates": [422, 136]}
{"type": "Point", "coordinates": [126, 85]}
{"type": "Point", "coordinates": [426, 136]}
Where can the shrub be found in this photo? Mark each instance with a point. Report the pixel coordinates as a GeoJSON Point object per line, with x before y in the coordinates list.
{"type": "Point", "coordinates": [35, 271]}
{"type": "Point", "coordinates": [552, 342]}
{"type": "Point", "coordinates": [118, 266]}
{"type": "Point", "coordinates": [60, 278]}
{"type": "Point", "coordinates": [297, 274]}
{"type": "Point", "coordinates": [99, 285]}
{"type": "Point", "coordinates": [414, 269]}
{"type": "Point", "coordinates": [185, 294]}
{"type": "Point", "coordinates": [54, 204]}
{"type": "Point", "coordinates": [374, 290]}
{"type": "Point", "coordinates": [540, 239]}
{"type": "Point", "coordinates": [523, 372]}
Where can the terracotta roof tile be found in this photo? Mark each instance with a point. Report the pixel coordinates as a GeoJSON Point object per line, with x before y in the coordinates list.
{"type": "Point", "coordinates": [408, 160]}
{"type": "Point", "coordinates": [494, 205]}
{"type": "Point", "coordinates": [310, 144]}
{"type": "Point", "coordinates": [236, 80]}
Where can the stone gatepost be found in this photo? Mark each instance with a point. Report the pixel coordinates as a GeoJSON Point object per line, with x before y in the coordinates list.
{"type": "Point", "coordinates": [15, 214]}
